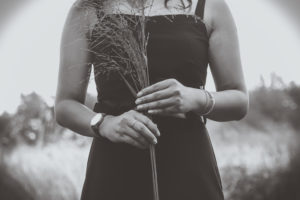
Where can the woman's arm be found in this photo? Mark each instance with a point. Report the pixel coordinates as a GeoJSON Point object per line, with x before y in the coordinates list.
{"type": "Point", "coordinates": [74, 72]}
{"type": "Point", "coordinates": [225, 64]}
{"type": "Point", "coordinates": [170, 97]}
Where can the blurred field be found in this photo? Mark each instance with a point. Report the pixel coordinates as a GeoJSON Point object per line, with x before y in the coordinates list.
{"type": "Point", "coordinates": [258, 157]}
{"type": "Point", "coordinates": [55, 171]}
{"type": "Point", "coordinates": [249, 157]}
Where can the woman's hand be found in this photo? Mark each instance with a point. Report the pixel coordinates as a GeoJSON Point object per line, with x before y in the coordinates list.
{"type": "Point", "coordinates": [168, 97]}
{"type": "Point", "coordinates": [131, 127]}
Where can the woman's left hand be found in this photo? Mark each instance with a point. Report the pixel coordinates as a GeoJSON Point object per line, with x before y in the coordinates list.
{"type": "Point", "coordinates": [168, 97]}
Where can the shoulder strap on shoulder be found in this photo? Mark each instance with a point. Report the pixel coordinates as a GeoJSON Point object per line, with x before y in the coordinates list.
{"type": "Point", "coordinates": [200, 8]}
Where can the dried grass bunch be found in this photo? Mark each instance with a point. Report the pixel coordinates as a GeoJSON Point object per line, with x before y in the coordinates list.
{"type": "Point", "coordinates": [120, 44]}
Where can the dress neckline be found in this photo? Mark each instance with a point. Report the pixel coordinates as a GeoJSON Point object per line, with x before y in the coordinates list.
{"type": "Point", "coordinates": [180, 15]}
{"type": "Point", "coordinates": [167, 18]}
{"type": "Point", "coordinates": [161, 18]}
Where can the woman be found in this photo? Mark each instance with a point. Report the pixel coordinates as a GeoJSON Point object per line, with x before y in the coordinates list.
{"type": "Point", "coordinates": [181, 44]}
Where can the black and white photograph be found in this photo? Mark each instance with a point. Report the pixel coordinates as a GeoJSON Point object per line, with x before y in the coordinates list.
{"type": "Point", "coordinates": [149, 100]}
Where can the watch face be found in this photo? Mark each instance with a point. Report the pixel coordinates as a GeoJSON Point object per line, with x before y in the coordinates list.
{"type": "Point", "coordinates": [96, 119]}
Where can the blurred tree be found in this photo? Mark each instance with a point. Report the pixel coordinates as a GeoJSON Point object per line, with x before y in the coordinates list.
{"type": "Point", "coordinates": [34, 121]}
{"type": "Point", "coordinates": [266, 184]}
{"type": "Point", "coordinates": [294, 92]}
{"type": "Point", "coordinates": [276, 102]}
{"type": "Point", "coordinates": [5, 128]}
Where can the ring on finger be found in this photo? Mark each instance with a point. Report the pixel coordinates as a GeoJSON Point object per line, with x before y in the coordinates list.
{"type": "Point", "coordinates": [133, 124]}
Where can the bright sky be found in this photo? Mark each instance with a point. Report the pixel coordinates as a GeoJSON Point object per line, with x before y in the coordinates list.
{"type": "Point", "coordinates": [29, 47]}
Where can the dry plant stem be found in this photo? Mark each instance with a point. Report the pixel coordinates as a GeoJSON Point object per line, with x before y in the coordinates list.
{"type": "Point", "coordinates": [152, 146]}
{"type": "Point", "coordinates": [128, 85]}
{"type": "Point", "coordinates": [151, 149]}
{"type": "Point", "coordinates": [154, 172]}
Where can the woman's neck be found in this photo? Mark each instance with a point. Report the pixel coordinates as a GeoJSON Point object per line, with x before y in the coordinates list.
{"type": "Point", "coordinates": [139, 3]}
{"type": "Point", "coordinates": [150, 7]}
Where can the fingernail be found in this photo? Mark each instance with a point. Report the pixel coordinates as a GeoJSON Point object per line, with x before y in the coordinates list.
{"type": "Point", "coordinates": [139, 107]}
{"type": "Point", "coordinates": [158, 133]}
{"type": "Point", "coordinates": [138, 101]}
{"type": "Point", "coordinates": [155, 141]}
{"type": "Point", "coordinates": [139, 94]}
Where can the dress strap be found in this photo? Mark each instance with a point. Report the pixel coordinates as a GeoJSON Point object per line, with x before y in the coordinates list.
{"type": "Point", "coordinates": [200, 8]}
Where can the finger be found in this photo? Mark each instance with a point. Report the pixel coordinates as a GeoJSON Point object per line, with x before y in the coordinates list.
{"type": "Point", "coordinates": [142, 130]}
{"type": "Point", "coordinates": [155, 87]}
{"type": "Point", "coordinates": [148, 123]}
{"type": "Point", "coordinates": [163, 111]}
{"type": "Point", "coordinates": [167, 112]}
{"type": "Point", "coordinates": [161, 94]}
{"type": "Point", "coordinates": [129, 140]}
{"type": "Point", "coordinates": [160, 104]}
{"type": "Point", "coordinates": [136, 136]}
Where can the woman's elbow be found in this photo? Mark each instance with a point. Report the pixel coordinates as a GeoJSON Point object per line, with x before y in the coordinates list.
{"type": "Point", "coordinates": [243, 107]}
{"type": "Point", "coordinates": [58, 111]}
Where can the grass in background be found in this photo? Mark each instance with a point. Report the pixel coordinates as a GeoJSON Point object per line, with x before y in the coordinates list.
{"type": "Point", "coordinates": [258, 157]}
{"type": "Point", "coordinates": [55, 171]}
{"type": "Point", "coordinates": [253, 162]}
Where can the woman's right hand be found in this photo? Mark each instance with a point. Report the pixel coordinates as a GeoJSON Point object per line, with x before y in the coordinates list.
{"type": "Point", "coordinates": [131, 127]}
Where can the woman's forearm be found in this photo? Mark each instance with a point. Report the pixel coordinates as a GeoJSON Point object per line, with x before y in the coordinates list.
{"type": "Point", "coordinates": [75, 116]}
{"type": "Point", "coordinates": [229, 105]}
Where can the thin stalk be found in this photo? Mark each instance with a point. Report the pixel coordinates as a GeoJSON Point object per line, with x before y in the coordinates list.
{"type": "Point", "coordinates": [133, 92]}
{"type": "Point", "coordinates": [154, 172]}
{"type": "Point", "coordinates": [151, 149]}
{"type": "Point", "coordinates": [152, 146]}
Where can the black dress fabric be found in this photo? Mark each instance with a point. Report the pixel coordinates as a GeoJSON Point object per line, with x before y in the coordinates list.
{"type": "Point", "coordinates": [186, 165]}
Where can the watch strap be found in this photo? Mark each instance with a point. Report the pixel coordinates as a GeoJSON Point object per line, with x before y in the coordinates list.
{"type": "Point", "coordinates": [96, 126]}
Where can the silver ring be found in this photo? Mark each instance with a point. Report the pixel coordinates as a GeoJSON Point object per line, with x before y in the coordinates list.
{"type": "Point", "coordinates": [133, 123]}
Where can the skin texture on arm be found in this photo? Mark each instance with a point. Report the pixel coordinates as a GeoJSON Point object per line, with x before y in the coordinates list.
{"type": "Point", "coordinates": [225, 64]}
{"type": "Point", "coordinates": [74, 74]}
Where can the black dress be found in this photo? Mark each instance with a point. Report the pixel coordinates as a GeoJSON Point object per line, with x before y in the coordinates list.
{"type": "Point", "coordinates": [187, 168]}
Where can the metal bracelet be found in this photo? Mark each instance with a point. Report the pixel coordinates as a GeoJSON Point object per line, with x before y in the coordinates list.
{"type": "Point", "coordinates": [209, 108]}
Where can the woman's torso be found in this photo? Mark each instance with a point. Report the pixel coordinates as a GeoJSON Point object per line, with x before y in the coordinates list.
{"type": "Point", "coordinates": [187, 169]}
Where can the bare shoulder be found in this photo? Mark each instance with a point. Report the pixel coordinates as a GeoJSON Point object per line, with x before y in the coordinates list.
{"type": "Point", "coordinates": [218, 16]}
{"type": "Point", "coordinates": [79, 8]}
{"type": "Point", "coordinates": [81, 16]}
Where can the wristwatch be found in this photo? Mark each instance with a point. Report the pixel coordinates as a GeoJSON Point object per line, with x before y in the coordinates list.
{"type": "Point", "coordinates": [95, 123]}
